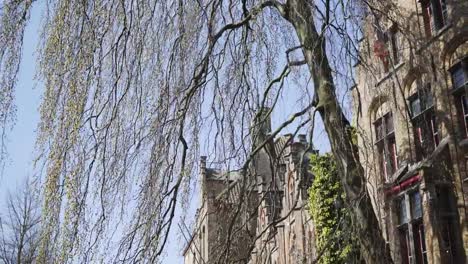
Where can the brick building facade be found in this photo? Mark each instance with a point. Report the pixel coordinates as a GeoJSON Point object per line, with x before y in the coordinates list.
{"type": "Point", "coordinates": [411, 110]}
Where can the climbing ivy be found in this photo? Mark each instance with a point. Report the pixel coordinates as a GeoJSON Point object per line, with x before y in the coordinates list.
{"type": "Point", "coordinates": [333, 234]}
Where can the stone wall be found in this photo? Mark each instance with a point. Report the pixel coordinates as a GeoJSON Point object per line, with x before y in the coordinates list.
{"type": "Point", "coordinates": [424, 164]}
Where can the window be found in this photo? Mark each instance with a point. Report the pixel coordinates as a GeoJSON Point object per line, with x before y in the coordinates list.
{"type": "Point", "coordinates": [402, 215]}
{"type": "Point", "coordinates": [416, 209]}
{"type": "Point", "coordinates": [434, 14]}
{"type": "Point", "coordinates": [386, 145]}
{"type": "Point", "coordinates": [203, 247]}
{"type": "Point", "coordinates": [415, 106]}
{"type": "Point", "coordinates": [405, 250]}
{"type": "Point", "coordinates": [421, 101]}
{"type": "Point", "coordinates": [394, 42]}
{"type": "Point", "coordinates": [459, 74]}
{"type": "Point", "coordinates": [386, 47]}
{"type": "Point", "coordinates": [200, 238]}
{"type": "Point", "coordinates": [411, 229]}
{"type": "Point", "coordinates": [448, 219]}
{"type": "Point", "coordinates": [419, 242]}
{"type": "Point", "coordinates": [425, 128]}
{"type": "Point", "coordinates": [459, 78]}
{"type": "Point", "coordinates": [463, 105]}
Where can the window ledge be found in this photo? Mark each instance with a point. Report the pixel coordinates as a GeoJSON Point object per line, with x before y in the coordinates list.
{"type": "Point", "coordinates": [460, 90]}
{"type": "Point", "coordinates": [389, 73]}
{"type": "Point", "coordinates": [401, 170]}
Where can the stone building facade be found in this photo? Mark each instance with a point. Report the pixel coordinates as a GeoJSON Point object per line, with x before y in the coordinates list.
{"type": "Point", "coordinates": [411, 111]}
{"type": "Point", "coordinates": [256, 215]}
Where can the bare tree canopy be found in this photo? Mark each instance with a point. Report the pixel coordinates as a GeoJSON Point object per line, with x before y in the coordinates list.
{"type": "Point", "coordinates": [135, 90]}
{"type": "Point", "coordinates": [19, 226]}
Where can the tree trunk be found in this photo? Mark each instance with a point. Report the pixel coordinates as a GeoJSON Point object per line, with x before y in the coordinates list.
{"type": "Point", "coordinates": [372, 244]}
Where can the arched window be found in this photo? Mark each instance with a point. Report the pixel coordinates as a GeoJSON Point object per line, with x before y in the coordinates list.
{"type": "Point", "coordinates": [385, 141]}
{"type": "Point", "coordinates": [423, 119]}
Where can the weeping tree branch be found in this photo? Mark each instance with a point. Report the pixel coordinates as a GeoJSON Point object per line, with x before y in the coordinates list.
{"type": "Point", "coordinates": [133, 87]}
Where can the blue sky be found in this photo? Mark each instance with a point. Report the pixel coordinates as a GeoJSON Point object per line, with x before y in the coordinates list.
{"type": "Point", "coordinates": [21, 139]}
{"type": "Point", "coordinates": [27, 99]}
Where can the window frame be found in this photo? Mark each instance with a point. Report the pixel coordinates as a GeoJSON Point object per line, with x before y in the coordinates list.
{"type": "Point", "coordinates": [419, 234]}
{"type": "Point", "coordinates": [464, 107]}
{"type": "Point", "coordinates": [448, 220]}
{"type": "Point", "coordinates": [460, 95]}
{"type": "Point", "coordinates": [435, 16]}
{"type": "Point", "coordinates": [385, 142]}
{"type": "Point", "coordinates": [395, 41]}
{"type": "Point", "coordinates": [407, 228]}
{"type": "Point", "coordinates": [424, 121]}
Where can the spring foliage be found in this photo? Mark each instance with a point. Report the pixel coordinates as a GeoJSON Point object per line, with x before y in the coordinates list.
{"type": "Point", "coordinates": [331, 219]}
{"type": "Point", "coordinates": [135, 90]}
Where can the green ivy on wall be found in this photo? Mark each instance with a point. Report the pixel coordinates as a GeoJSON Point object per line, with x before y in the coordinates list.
{"type": "Point", "coordinates": [333, 234]}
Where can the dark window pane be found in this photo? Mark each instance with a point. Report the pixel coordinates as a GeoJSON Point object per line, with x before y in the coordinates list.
{"type": "Point", "coordinates": [444, 10]}
{"type": "Point", "coordinates": [404, 245]}
{"type": "Point", "coordinates": [382, 160]}
{"type": "Point", "coordinates": [429, 100]}
{"type": "Point", "coordinates": [427, 17]}
{"type": "Point", "coordinates": [415, 107]}
{"type": "Point", "coordinates": [464, 101]}
{"type": "Point", "coordinates": [392, 157]}
{"type": "Point", "coordinates": [389, 123]}
{"type": "Point", "coordinates": [437, 14]}
{"type": "Point", "coordinates": [421, 101]}
{"type": "Point", "coordinates": [416, 209]}
{"type": "Point", "coordinates": [386, 147]}
{"type": "Point", "coordinates": [419, 243]}
{"type": "Point", "coordinates": [432, 22]}
{"type": "Point", "coordinates": [426, 134]}
{"type": "Point", "coordinates": [462, 112]}
{"type": "Point", "coordinates": [379, 130]}
{"type": "Point", "coordinates": [402, 216]}
{"type": "Point", "coordinates": [446, 239]}
{"type": "Point", "coordinates": [448, 216]}
{"type": "Point", "coordinates": [394, 39]}
{"type": "Point", "coordinates": [466, 126]}
{"type": "Point", "coordinates": [448, 246]}
{"type": "Point", "coordinates": [458, 77]}
{"type": "Point", "coordinates": [445, 201]}
{"type": "Point", "coordinates": [418, 138]}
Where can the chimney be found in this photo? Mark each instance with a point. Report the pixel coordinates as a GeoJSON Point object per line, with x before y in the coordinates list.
{"type": "Point", "coordinates": [202, 178]}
